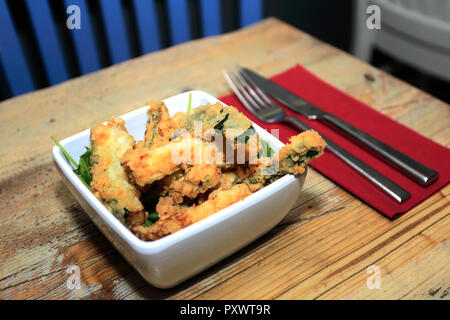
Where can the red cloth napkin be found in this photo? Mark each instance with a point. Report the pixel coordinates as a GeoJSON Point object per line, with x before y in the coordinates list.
{"type": "Point", "coordinates": [313, 89]}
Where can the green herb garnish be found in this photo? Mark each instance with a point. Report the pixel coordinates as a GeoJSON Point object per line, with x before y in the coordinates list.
{"type": "Point", "coordinates": [246, 135]}
{"type": "Point", "coordinates": [148, 223]}
{"type": "Point", "coordinates": [126, 213]}
{"type": "Point", "coordinates": [84, 166]}
{"type": "Point", "coordinates": [311, 153]}
{"type": "Point", "coordinates": [189, 103]}
{"type": "Point", "coordinates": [83, 169]}
{"type": "Point", "coordinates": [219, 126]}
{"type": "Point", "coordinates": [266, 151]}
{"type": "Point", "coordinates": [151, 219]}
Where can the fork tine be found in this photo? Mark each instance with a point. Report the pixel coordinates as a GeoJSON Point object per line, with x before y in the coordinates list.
{"type": "Point", "coordinates": [243, 94]}
{"type": "Point", "coordinates": [249, 88]}
{"type": "Point", "coordinates": [242, 87]}
{"type": "Point", "coordinates": [260, 92]}
{"type": "Point", "coordinates": [235, 89]}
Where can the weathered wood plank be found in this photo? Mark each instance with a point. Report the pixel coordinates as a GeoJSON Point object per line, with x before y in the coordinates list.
{"type": "Point", "coordinates": [304, 253]}
{"type": "Point", "coordinates": [418, 269]}
{"type": "Point", "coordinates": [368, 254]}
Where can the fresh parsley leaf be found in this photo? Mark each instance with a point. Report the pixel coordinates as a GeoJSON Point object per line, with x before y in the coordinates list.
{"type": "Point", "coordinates": [151, 219]}
{"type": "Point", "coordinates": [83, 169]}
{"type": "Point", "coordinates": [148, 223]}
{"type": "Point", "coordinates": [66, 154]}
{"type": "Point", "coordinates": [311, 153]}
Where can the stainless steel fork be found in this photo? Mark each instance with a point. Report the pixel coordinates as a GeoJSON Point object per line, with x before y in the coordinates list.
{"type": "Point", "coordinates": [258, 103]}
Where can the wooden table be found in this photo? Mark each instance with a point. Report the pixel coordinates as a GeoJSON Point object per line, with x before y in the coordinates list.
{"type": "Point", "coordinates": [323, 248]}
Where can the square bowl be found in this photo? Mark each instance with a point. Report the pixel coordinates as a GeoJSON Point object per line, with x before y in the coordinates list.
{"type": "Point", "coordinates": [168, 261]}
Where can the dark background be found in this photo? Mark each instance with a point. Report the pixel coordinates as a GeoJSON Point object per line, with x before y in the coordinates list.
{"type": "Point", "coordinates": [331, 21]}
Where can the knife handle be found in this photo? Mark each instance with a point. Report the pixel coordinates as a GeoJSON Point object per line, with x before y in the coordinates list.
{"type": "Point", "coordinates": [412, 168]}
{"type": "Point", "coordinates": [388, 186]}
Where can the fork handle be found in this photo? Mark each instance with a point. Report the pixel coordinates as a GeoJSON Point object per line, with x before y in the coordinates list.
{"type": "Point", "coordinates": [414, 169]}
{"type": "Point", "coordinates": [386, 185]}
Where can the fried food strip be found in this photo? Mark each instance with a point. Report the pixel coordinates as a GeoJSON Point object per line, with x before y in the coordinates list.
{"type": "Point", "coordinates": [213, 122]}
{"type": "Point", "coordinates": [109, 181]}
{"type": "Point", "coordinates": [159, 127]}
{"type": "Point", "coordinates": [193, 181]}
{"type": "Point", "coordinates": [166, 207]}
{"type": "Point", "coordinates": [228, 179]}
{"type": "Point", "coordinates": [217, 200]}
{"type": "Point", "coordinates": [145, 166]}
{"type": "Point", "coordinates": [227, 120]}
{"type": "Point", "coordinates": [301, 149]}
{"type": "Point", "coordinates": [291, 159]}
{"type": "Point", "coordinates": [235, 175]}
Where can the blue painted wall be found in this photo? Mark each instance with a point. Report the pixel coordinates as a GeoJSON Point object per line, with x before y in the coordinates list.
{"type": "Point", "coordinates": [105, 26]}
{"type": "Point", "coordinates": [111, 30]}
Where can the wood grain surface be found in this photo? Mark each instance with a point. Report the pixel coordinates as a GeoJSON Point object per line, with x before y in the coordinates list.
{"type": "Point", "coordinates": [321, 250]}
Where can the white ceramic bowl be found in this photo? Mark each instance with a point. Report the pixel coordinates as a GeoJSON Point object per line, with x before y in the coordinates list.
{"type": "Point", "coordinates": [174, 258]}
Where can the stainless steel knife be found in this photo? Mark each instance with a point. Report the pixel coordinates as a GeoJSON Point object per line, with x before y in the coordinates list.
{"type": "Point", "coordinates": [412, 168]}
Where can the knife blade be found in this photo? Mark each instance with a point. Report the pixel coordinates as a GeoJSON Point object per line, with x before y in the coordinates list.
{"type": "Point", "coordinates": [415, 170]}
{"type": "Point", "coordinates": [286, 97]}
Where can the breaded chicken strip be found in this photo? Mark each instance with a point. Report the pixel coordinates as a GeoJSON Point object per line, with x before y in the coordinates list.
{"type": "Point", "coordinates": [109, 181]}
{"type": "Point", "coordinates": [145, 166]}
{"type": "Point", "coordinates": [291, 159]}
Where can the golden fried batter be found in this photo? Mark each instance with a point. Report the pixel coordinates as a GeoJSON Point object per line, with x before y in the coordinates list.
{"type": "Point", "coordinates": [159, 127]}
{"type": "Point", "coordinates": [301, 149]}
{"type": "Point", "coordinates": [109, 181]}
{"type": "Point", "coordinates": [227, 120]}
{"type": "Point", "coordinates": [167, 207]}
{"type": "Point", "coordinates": [228, 179]}
{"type": "Point", "coordinates": [192, 181]}
{"type": "Point", "coordinates": [146, 166]}
{"type": "Point", "coordinates": [217, 200]}
{"type": "Point", "coordinates": [292, 158]}
{"type": "Point", "coordinates": [184, 171]}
